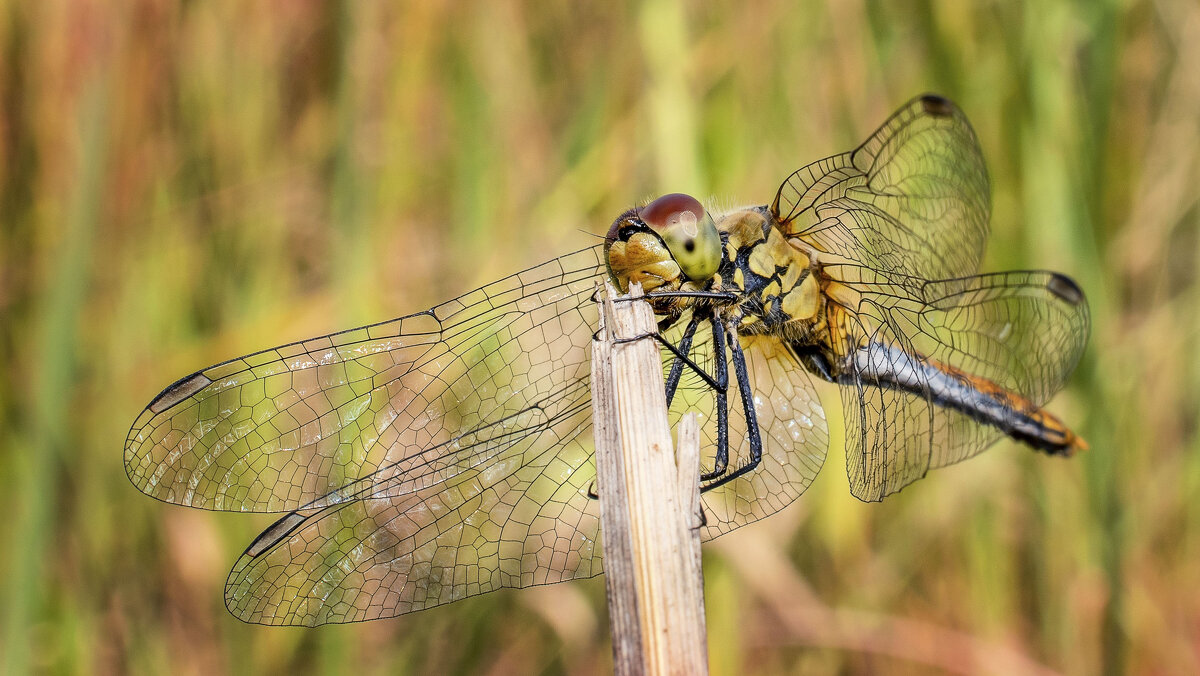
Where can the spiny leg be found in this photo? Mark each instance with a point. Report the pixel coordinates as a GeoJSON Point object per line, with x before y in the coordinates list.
{"type": "Point", "coordinates": [742, 374]}
{"type": "Point", "coordinates": [681, 360]}
{"type": "Point", "coordinates": [719, 384]}
{"type": "Point", "coordinates": [722, 460]}
{"type": "Point", "coordinates": [679, 357]}
{"type": "Point", "coordinates": [704, 295]}
{"type": "Point", "coordinates": [677, 364]}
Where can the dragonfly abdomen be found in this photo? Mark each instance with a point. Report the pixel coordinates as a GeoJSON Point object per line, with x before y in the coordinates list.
{"type": "Point", "coordinates": [889, 366]}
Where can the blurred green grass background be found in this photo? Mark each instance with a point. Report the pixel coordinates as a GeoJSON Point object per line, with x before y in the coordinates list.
{"type": "Point", "coordinates": [185, 182]}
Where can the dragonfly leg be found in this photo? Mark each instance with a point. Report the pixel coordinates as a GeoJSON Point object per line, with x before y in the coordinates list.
{"type": "Point", "coordinates": [685, 346]}
{"type": "Point", "coordinates": [722, 376]}
{"type": "Point", "coordinates": [681, 360]}
{"type": "Point", "coordinates": [719, 382]}
{"type": "Point", "coordinates": [680, 356]}
{"type": "Point", "coordinates": [706, 295]}
{"type": "Point", "coordinates": [755, 435]}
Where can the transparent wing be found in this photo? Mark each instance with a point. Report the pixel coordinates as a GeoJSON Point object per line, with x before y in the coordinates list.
{"type": "Point", "coordinates": [1023, 331]}
{"type": "Point", "coordinates": [912, 200]}
{"type": "Point", "coordinates": [417, 399]}
{"type": "Point", "coordinates": [520, 518]}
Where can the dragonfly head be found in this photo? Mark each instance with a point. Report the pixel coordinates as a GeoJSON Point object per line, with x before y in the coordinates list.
{"type": "Point", "coordinates": [667, 238]}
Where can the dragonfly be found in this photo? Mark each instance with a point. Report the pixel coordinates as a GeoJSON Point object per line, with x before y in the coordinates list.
{"type": "Point", "coordinates": [449, 453]}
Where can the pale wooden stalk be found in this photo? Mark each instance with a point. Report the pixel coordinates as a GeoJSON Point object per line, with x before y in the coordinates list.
{"type": "Point", "coordinates": [649, 501]}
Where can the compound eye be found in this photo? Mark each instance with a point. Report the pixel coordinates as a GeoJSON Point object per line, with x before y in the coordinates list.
{"type": "Point", "coordinates": [675, 210]}
{"type": "Point", "coordinates": [689, 233]}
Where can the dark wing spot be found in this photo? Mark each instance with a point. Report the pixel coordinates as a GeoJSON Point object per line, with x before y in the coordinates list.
{"type": "Point", "coordinates": [274, 534]}
{"type": "Point", "coordinates": [178, 391]}
{"type": "Point", "coordinates": [1065, 288]}
{"type": "Point", "coordinates": [937, 106]}
{"type": "Point", "coordinates": [689, 245]}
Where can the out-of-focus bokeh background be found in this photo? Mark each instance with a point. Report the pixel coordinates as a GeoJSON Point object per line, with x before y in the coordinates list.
{"type": "Point", "coordinates": [185, 182]}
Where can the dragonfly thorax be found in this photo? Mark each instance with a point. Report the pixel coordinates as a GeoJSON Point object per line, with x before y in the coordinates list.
{"type": "Point", "coordinates": [775, 277]}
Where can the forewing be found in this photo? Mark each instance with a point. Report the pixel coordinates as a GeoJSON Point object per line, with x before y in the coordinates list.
{"type": "Point", "coordinates": [407, 403]}
{"type": "Point", "coordinates": [1024, 331]}
{"type": "Point", "coordinates": [912, 200]}
{"type": "Point", "coordinates": [523, 518]}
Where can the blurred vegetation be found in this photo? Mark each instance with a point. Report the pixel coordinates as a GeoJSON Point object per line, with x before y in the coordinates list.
{"type": "Point", "coordinates": [185, 182]}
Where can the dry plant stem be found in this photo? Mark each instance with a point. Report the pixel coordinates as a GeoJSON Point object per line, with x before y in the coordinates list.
{"type": "Point", "coordinates": [649, 502]}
